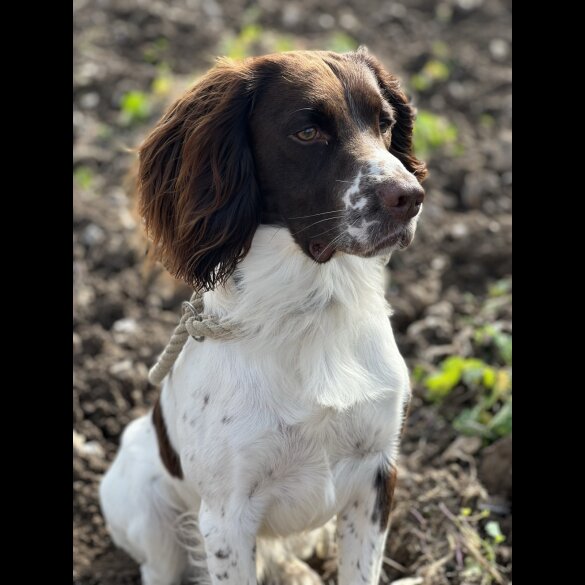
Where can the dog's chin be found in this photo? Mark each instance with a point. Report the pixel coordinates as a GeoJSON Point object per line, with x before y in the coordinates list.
{"type": "Point", "coordinates": [396, 241]}
{"type": "Point", "coordinates": [395, 238]}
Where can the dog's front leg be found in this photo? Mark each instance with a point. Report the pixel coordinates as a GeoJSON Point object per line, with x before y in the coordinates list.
{"type": "Point", "coordinates": [362, 527]}
{"type": "Point", "coordinates": [230, 545]}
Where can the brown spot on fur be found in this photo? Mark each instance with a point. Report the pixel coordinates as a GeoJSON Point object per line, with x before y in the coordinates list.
{"type": "Point", "coordinates": [168, 455]}
{"type": "Point", "coordinates": [384, 484]}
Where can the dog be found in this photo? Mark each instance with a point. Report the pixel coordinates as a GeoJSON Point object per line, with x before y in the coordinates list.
{"type": "Point", "coordinates": [279, 185]}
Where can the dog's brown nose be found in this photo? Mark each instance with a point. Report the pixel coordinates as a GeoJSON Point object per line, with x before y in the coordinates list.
{"type": "Point", "coordinates": [402, 200]}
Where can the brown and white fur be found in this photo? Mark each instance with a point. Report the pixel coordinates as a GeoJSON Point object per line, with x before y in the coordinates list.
{"type": "Point", "coordinates": [280, 185]}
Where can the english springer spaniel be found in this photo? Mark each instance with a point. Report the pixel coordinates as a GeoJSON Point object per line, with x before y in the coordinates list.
{"type": "Point", "coordinates": [278, 185]}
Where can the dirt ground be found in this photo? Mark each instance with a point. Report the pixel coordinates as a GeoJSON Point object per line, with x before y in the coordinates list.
{"type": "Point", "coordinates": [440, 286]}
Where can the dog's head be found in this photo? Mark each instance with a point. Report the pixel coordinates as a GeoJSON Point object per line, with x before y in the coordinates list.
{"type": "Point", "coordinates": [315, 141]}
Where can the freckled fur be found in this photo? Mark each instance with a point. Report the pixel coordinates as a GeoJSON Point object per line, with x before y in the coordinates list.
{"type": "Point", "coordinates": [288, 426]}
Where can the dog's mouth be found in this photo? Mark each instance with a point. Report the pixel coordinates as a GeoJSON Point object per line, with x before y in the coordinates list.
{"type": "Point", "coordinates": [382, 241]}
{"type": "Point", "coordinates": [379, 240]}
{"type": "Point", "coordinates": [400, 238]}
{"type": "Point", "coordinates": [321, 251]}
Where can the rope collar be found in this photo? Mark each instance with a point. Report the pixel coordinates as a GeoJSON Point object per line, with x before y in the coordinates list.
{"type": "Point", "coordinates": [193, 323]}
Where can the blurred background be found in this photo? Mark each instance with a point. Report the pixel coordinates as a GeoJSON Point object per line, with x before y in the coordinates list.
{"type": "Point", "coordinates": [450, 290]}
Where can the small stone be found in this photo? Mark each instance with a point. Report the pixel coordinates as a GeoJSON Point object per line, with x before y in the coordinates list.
{"type": "Point", "coordinates": [126, 325]}
{"type": "Point", "coordinates": [93, 235]}
{"type": "Point", "coordinates": [93, 448]}
{"type": "Point", "coordinates": [121, 367]}
{"type": "Point", "coordinates": [89, 100]}
{"type": "Point", "coordinates": [348, 21]}
{"type": "Point", "coordinates": [469, 4]}
{"type": "Point", "coordinates": [459, 230]}
{"type": "Point", "coordinates": [439, 263]}
{"type": "Point", "coordinates": [408, 581]}
{"type": "Point", "coordinates": [291, 15]}
{"type": "Point", "coordinates": [326, 21]}
{"type": "Point", "coordinates": [499, 49]}
{"type": "Point", "coordinates": [78, 440]}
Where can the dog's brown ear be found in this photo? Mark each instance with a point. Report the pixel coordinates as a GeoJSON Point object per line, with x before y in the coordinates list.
{"type": "Point", "coordinates": [197, 190]}
{"type": "Point", "coordinates": [401, 145]}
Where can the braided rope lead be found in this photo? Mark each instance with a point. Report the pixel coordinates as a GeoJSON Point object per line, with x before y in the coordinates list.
{"type": "Point", "coordinates": [193, 323]}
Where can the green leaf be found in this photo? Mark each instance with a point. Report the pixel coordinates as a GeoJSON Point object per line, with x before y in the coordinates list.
{"type": "Point", "coordinates": [135, 106]}
{"type": "Point", "coordinates": [250, 33]}
{"type": "Point", "coordinates": [440, 384]}
{"type": "Point", "coordinates": [83, 177]}
{"type": "Point", "coordinates": [503, 342]}
{"type": "Point", "coordinates": [489, 377]}
{"type": "Point", "coordinates": [501, 423]}
{"type": "Point", "coordinates": [493, 529]}
{"type": "Point", "coordinates": [162, 84]}
{"type": "Point", "coordinates": [154, 51]}
{"type": "Point", "coordinates": [341, 42]}
{"type": "Point", "coordinates": [467, 422]}
{"type": "Point", "coordinates": [434, 71]}
{"type": "Point", "coordinates": [432, 132]}
{"type": "Point", "coordinates": [473, 370]}
{"type": "Point", "coordinates": [504, 286]}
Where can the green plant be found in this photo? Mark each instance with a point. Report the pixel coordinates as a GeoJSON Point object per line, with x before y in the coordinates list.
{"type": "Point", "coordinates": [341, 42]}
{"type": "Point", "coordinates": [480, 554]}
{"type": "Point", "coordinates": [500, 288]}
{"type": "Point", "coordinates": [135, 106]}
{"type": "Point", "coordinates": [154, 51]}
{"type": "Point", "coordinates": [433, 72]}
{"type": "Point", "coordinates": [493, 530]}
{"type": "Point", "coordinates": [432, 132]}
{"type": "Point", "coordinates": [83, 177]}
{"type": "Point", "coordinates": [491, 416]}
{"type": "Point", "coordinates": [490, 335]}
{"type": "Point", "coordinates": [436, 69]}
{"type": "Point", "coordinates": [483, 422]}
{"type": "Point", "coordinates": [162, 83]}
{"type": "Point", "coordinates": [240, 46]}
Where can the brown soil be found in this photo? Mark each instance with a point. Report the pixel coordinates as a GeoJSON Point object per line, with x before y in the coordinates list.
{"type": "Point", "coordinates": [439, 286]}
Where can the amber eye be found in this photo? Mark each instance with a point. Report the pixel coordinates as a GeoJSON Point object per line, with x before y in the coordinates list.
{"type": "Point", "coordinates": [385, 125]}
{"type": "Point", "coordinates": [308, 134]}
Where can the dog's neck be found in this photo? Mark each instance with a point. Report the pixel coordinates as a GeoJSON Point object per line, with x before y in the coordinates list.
{"type": "Point", "coordinates": [315, 320]}
{"type": "Point", "coordinates": [278, 288]}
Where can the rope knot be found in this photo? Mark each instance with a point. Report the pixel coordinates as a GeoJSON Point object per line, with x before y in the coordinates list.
{"type": "Point", "coordinates": [193, 323]}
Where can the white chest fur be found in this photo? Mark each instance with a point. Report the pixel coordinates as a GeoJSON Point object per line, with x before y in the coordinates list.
{"type": "Point", "coordinates": [289, 415]}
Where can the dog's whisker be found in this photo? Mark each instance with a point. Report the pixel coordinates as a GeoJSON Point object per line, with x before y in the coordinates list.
{"type": "Point", "coordinates": [330, 245]}
{"type": "Point", "coordinates": [336, 239]}
{"type": "Point", "coordinates": [326, 232]}
{"type": "Point", "coordinates": [316, 214]}
{"type": "Point", "coordinates": [315, 223]}
{"type": "Point", "coordinates": [275, 233]}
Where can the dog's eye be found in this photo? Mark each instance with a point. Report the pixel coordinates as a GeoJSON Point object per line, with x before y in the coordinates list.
{"type": "Point", "coordinates": [308, 134]}
{"type": "Point", "coordinates": [385, 125]}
